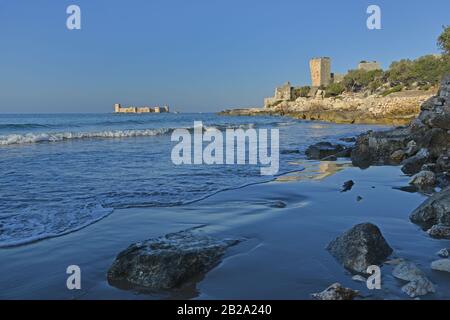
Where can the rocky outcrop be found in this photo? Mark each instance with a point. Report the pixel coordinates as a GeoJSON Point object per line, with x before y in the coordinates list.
{"type": "Point", "coordinates": [360, 247]}
{"type": "Point", "coordinates": [399, 108]}
{"type": "Point", "coordinates": [336, 292]}
{"type": "Point", "coordinates": [424, 142]}
{"type": "Point", "coordinates": [167, 262]}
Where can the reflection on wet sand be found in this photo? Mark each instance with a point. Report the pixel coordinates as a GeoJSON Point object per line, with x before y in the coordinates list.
{"type": "Point", "coordinates": [314, 170]}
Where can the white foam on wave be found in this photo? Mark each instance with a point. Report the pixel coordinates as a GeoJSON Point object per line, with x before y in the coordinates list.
{"type": "Point", "coordinates": [17, 232]}
{"type": "Point", "coordinates": [56, 137]}
{"type": "Point", "coordinates": [30, 138]}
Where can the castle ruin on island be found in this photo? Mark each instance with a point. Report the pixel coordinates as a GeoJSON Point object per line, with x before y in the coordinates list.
{"type": "Point", "coordinates": [119, 109]}
{"type": "Point", "coordinates": [321, 77]}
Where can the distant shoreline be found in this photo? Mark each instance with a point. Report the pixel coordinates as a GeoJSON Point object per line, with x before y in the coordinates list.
{"type": "Point", "coordinates": [395, 109]}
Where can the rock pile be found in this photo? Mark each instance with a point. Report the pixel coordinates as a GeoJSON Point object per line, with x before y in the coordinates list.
{"type": "Point", "coordinates": [424, 145]}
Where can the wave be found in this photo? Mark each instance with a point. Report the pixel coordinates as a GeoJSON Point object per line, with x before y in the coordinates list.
{"type": "Point", "coordinates": [12, 139]}
{"type": "Point", "coordinates": [16, 232]}
{"type": "Point", "coordinates": [29, 138]}
{"type": "Point", "coordinates": [23, 126]}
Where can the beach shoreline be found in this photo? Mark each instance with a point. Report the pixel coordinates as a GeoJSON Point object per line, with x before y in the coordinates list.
{"type": "Point", "coordinates": [283, 246]}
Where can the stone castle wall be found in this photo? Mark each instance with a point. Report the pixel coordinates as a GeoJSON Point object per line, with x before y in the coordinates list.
{"type": "Point", "coordinates": [119, 109]}
{"type": "Point", "coordinates": [369, 66]}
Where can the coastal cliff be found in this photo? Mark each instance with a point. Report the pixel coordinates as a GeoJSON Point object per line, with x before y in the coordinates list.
{"type": "Point", "coordinates": [397, 108]}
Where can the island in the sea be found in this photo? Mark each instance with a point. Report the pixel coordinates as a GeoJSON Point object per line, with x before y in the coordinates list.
{"type": "Point", "coordinates": [119, 109]}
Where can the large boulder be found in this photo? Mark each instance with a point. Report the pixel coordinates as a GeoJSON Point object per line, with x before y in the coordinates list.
{"type": "Point", "coordinates": [167, 262]}
{"type": "Point", "coordinates": [434, 211]}
{"type": "Point", "coordinates": [360, 247]}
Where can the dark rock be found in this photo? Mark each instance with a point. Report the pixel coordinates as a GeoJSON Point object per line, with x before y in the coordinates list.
{"type": "Point", "coordinates": [436, 141]}
{"type": "Point", "coordinates": [277, 204]}
{"type": "Point", "coordinates": [361, 246]}
{"type": "Point", "coordinates": [434, 211]}
{"type": "Point", "coordinates": [441, 119]}
{"type": "Point", "coordinates": [443, 162]}
{"type": "Point", "coordinates": [414, 164]}
{"type": "Point", "coordinates": [377, 147]}
{"type": "Point", "coordinates": [348, 185]}
{"type": "Point", "coordinates": [397, 156]}
{"type": "Point", "coordinates": [167, 262]}
{"type": "Point", "coordinates": [429, 167]}
{"type": "Point", "coordinates": [359, 198]}
{"type": "Point", "coordinates": [351, 139]}
{"type": "Point", "coordinates": [439, 231]}
{"type": "Point", "coordinates": [322, 150]}
{"type": "Point", "coordinates": [336, 292]}
{"type": "Point", "coordinates": [411, 149]}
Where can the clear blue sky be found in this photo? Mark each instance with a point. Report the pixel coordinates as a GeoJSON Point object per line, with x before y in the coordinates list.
{"type": "Point", "coordinates": [195, 55]}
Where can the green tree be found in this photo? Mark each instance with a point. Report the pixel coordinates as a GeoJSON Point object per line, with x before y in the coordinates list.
{"type": "Point", "coordinates": [444, 40]}
{"type": "Point", "coordinates": [334, 90]}
{"type": "Point", "coordinates": [357, 80]}
{"type": "Point", "coordinates": [302, 91]}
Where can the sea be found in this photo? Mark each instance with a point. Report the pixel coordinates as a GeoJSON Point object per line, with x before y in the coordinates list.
{"type": "Point", "coordinates": [62, 172]}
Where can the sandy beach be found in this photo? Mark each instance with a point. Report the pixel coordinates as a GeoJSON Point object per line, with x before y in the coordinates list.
{"type": "Point", "coordinates": [282, 256]}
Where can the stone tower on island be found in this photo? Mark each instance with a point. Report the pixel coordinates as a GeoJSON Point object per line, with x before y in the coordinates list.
{"type": "Point", "coordinates": [320, 71]}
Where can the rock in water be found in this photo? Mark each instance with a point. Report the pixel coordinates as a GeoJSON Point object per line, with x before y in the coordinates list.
{"type": "Point", "coordinates": [418, 287]}
{"type": "Point", "coordinates": [424, 179]}
{"type": "Point", "coordinates": [167, 262]}
{"type": "Point", "coordinates": [323, 150]}
{"type": "Point", "coordinates": [348, 185]}
{"type": "Point", "coordinates": [407, 271]}
{"type": "Point", "coordinates": [418, 284]}
{"type": "Point", "coordinates": [336, 292]}
{"type": "Point", "coordinates": [441, 265]}
{"type": "Point", "coordinates": [439, 231]}
{"type": "Point", "coordinates": [444, 253]}
{"type": "Point", "coordinates": [435, 210]}
{"type": "Point", "coordinates": [360, 247]}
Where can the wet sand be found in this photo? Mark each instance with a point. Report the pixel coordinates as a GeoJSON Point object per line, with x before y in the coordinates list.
{"type": "Point", "coordinates": [284, 254]}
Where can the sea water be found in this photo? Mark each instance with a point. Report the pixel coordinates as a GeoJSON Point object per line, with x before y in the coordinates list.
{"type": "Point", "coordinates": [62, 172]}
